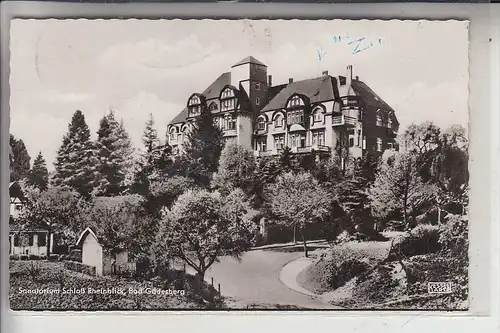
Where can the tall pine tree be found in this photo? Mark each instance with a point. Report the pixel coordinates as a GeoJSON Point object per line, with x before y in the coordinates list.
{"type": "Point", "coordinates": [39, 175]}
{"type": "Point", "coordinates": [114, 154]}
{"type": "Point", "coordinates": [19, 159]}
{"type": "Point", "coordinates": [203, 149]}
{"type": "Point", "coordinates": [145, 166]}
{"type": "Point", "coordinates": [76, 162]}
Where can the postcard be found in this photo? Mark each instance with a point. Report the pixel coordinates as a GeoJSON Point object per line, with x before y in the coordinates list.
{"type": "Point", "coordinates": [238, 165]}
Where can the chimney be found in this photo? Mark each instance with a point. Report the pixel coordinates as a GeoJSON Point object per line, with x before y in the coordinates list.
{"type": "Point", "coordinates": [270, 80]}
{"type": "Point", "coordinates": [357, 78]}
{"type": "Point", "coordinates": [325, 72]}
{"type": "Point", "coordinates": [290, 80]}
{"type": "Point", "coordinates": [349, 75]}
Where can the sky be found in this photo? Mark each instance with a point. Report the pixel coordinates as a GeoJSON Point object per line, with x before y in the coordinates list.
{"type": "Point", "coordinates": [138, 67]}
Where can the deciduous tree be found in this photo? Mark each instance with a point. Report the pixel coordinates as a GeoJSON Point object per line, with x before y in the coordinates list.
{"type": "Point", "coordinates": [298, 200]}
{"type": "Point", "coordinates": [398, 186]}
{"type": "Point", "coordinates": [57, 210]}
{"type": "Point", "coordinates": [203, 226]}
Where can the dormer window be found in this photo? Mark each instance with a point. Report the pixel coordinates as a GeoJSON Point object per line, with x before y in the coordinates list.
{"type": "Point", "coordinates": [194, 106]}
{"type": "Point", "coordinates": [317, 115]}
{"type": "Point", "coordinates": [227, 93]}
{"type": "Point", "coordinates": [295, 101]}
{"type": "Point", "coordinates": [278, 121]}
{"type": "Point", "coordinates": [213, 107]}
{"type": "Point", "coordinates": [261, 124]}
{"type": "Point", "coordinates": [379, 120]}
{"type": "Point", "coordinates": [389, 123]}
{"type": "Point", "coordinates": [173, 134]}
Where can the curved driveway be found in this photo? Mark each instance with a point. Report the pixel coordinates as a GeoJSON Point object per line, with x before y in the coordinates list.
{"type": "Point", "coordinates": [255, 280]}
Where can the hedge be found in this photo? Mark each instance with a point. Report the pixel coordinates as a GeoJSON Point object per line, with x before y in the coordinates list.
{"type": "Point", "coordinates": [79, 267]}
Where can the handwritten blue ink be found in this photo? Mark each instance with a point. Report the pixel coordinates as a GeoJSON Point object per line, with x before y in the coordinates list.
{"type": "Point", "coordinates": [357, 45]}
{"type": "Point", "coordinates": [321, 54]}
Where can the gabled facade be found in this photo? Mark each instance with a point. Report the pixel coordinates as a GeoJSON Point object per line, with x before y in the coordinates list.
{"type": "Point", "coordinates": [327, 115]}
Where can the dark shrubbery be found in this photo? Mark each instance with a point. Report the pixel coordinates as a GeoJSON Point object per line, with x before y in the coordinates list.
{"type": "Point", "coordinates": [79, 267]}
{"type": "Point", "coordinates": [422, 239]}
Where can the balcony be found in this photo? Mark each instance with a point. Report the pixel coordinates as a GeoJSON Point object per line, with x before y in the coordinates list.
{"type": "Point", "coordinates": [229, 132]}
{"type": "Point", "coordinates": [350, 102]}
{"type": "Point", "coordinates": [310, 149]}
{"type": "Point", "coordinates": [344, 120]}
{"type": "Point", "coordinates": [258, 153]}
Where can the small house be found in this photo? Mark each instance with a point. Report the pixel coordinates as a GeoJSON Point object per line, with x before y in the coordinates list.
{"type": "Point", "coordinates": [29, 241]}
{"type": "Point", "coordinates": [105, 262]}
{"type": "Point", "coordinates": [16, 199]}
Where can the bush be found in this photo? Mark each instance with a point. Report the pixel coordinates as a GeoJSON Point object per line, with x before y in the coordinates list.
{"type": "Point", "coordinates": [14, 257]}
{"type": "Point", "coordinates": [34, 257]}
{"type": "Point", "coordinates": [53, 257]}
{"type": "Point", "coordinates": [422, 239]}
{"type": "Point", "coordinates": [23, 256]}
{"type": "Point", "coordinates": [454, 235]}
{"type": "Point", "coordinates": [79, 267]}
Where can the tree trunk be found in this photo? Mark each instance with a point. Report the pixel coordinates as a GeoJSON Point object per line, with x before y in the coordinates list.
{"type": "Point", "coordinates": [304, 241]}
{"type": "Point", "coordinates": [294, 234]}
{"type": "Point", "coordinates": [48, 243]}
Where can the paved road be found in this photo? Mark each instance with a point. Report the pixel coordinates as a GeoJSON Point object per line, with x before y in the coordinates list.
{"type": "Point", "coordinates": [255, 280]}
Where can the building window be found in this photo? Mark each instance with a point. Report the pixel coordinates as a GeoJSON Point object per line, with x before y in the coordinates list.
{"type": "Point", "coordinates": [351, 141]}
{"type": "Point", "coordinates": [257, 86]}
{"type": "Point", "coordinates": [359, 138]}
{"type": "Point", "coordinates": [17, 239]}
{"type": "Point", "coordinates": [317, 115]}
{"type": "Point", "coordinates": [227, 93]}
{"type": "Point", "coordinates": [195, 100]}
{"type": "Point", "coordinates": [318, 138]}
{"type": "Point", "coordinates": [379, 120]}
{"type": "Point", "coordinates": [295, 101]}
{"type": "Point", "coordinates": [389, 123]}
{"type": "Point", "coordinates": [257, 101]}
{"type": "Point", "coordinates": [194, 111]}
{"type": "Point", "coordinates": [296, 117]}
{"type": "Point", "coordinates": [279, 142]}
{"type": "Point", "coordinates": [390, 145]}
{"type": "Point", "coordinates": [261, 124]}
{"type": "Point", "coordinates": [173, 135]}
{"type": "Point", "coordinates": [227, 104]}
{"type": "Point", "coordinates": [42, 239]}
{"type": "Point", "coordinates": [231, 123]}
{"type": "Point", "coordinates": [278, 121]}
{"type": "Point", "coordinates": [179, 137]}
{"type": "Point", "coordinates": [364, 142]}
{"type": "Point", "coordinates": [31, 239]}
{"type": "Point", "coordinates": [18, 207]}
{"type": "Point", "coordinates": [297, 140]}
{"type": "Point", "coordinates": [261, 144]}
{"type": "Point", "coordinates": [379, 144]}
{"type": "Point", "coordinates": [213, 107]}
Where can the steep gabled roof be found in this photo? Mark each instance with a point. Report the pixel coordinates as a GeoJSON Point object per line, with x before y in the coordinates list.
{"type": "Point", "coordinates": [249, 60]}
{"type": "Point", "coordinates": [15, 191]}
{"type": "Point", "coordinates": [319, 89]}
{"type": "Point", "coordinates": [211, 92]}
{"type": "Point", "coordinates": [368, 96]}
{"type": "Point", "coordinates": [84, 235]}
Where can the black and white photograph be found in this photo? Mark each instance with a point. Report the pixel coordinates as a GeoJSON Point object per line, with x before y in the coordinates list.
{"type": "Point", "coordinates": [160, 165]}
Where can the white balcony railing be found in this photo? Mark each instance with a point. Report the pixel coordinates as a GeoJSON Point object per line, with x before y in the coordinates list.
{"type": "Point", "coordinates": [344, 120]}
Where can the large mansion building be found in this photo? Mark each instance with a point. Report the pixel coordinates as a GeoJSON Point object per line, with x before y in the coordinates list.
{"type": "Point", "coordinates": [326, 115]}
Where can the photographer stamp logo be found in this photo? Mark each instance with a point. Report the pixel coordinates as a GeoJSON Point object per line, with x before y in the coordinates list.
{"type": "Point", "coordinates": [440, 287]}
